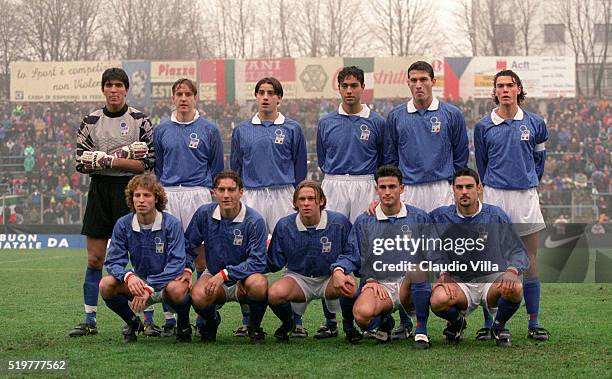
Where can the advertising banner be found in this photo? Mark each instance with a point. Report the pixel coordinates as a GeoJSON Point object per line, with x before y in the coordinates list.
{"type": "Point", "coordinates": [58, 81]}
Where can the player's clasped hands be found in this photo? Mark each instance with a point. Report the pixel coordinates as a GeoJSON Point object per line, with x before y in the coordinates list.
{"type": "Point", "coordinates": [96, 160]}
{"type": "Point", "coordinates": [136, 150]}
{"type": "Point", "coordinates": [507, 283]}
{"type": "Point", "coordinates": [213, 284]}
{"type": "Point", "coordinates": [136, 286]}
{"type": "Point", "coordinates": [185, 277]}
{"type": "Point", "coordinates": [446, 283]}
{"type": "Point", "coordinates": [139, 303]}
{"type": "Point", "coordinates": [343, 283]}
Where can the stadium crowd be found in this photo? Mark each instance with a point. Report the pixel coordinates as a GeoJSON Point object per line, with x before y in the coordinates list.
{"type": "Point", "coordinates": [37, 143]}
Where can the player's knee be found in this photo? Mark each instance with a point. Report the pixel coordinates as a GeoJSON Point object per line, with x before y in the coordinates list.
{"type": "Point", "coordinates": [95, 260]}
{"type": "Point", "coordinates": [176, 291]}
{"type": "Point", "coordinates": [439, 300]}
{"type": "Point", "coordinates": [108, 286]}
{"type": "Point", "coordinates": [257, 286]}
{"type": "Point", "coordinates": [363, 314]}
{"type": "Point", "coordinates": [276, 294]}
{"type": "Point", "coordinates": [198, 297]}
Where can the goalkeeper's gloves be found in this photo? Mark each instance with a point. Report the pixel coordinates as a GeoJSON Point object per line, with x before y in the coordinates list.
{"type": "Point", "coordinates": [96, 160]}
{"type": "Point", "coordinates": [136, 150]}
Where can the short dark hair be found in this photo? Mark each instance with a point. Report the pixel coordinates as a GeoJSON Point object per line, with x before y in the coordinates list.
{"type": "Point", "coordinates": [466, 172]}
{"type": "Point", "coordinates": [115, 73]}
{"type": "Point", "coordinates": [149, 182]}
{"type": "Point", "coordinates": [353, 71]}
{"type": "Point", "coordinates": [316, 187]}
{"type": "Point", "coordinates": [188, 82]}
{"type": "Point", "coordinates": [515, 79]}
{"type": "Point", "coordinates": [421, 66]}
{"type": "Point", "coordinates": [278, 87]}
{"type": "Point", "coordinates": [228, 174]}
{"type": "Point", "coordinates": [388, 170]}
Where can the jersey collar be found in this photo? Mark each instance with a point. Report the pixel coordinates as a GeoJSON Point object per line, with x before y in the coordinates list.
{"type": "Point", "coordinates": [119, 113]}
{"type": "Point", "coordinates": [320, 226]}
{"type": "Point", "coordinates": [435, 104]}
{"type": "Point", "coordinates": [381, 216]}
{"type": "Point", "coordinates": [279, 120]}
{"type": "Point", "coordinates": [239, 218]}
{"type": "Point", "coordinates": [173, 118]}
{"type": "Point", "coordinates": [470, 216]}
{"type": "Point", "coordinates": [157, 224]}
{"type": "Point", "coordinates": [365, 111]}
{"type": "Point", "coordinates": [498, 120]}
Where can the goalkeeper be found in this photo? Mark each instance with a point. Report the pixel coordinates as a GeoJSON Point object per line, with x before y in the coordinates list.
{"type": "Point", "coordinates": [113, 144]}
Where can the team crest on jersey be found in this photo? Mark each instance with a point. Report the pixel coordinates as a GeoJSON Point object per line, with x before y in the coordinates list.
{"type": "Point", "coordinates": [238, 237]}
{"type": "Point", "coordinates": [159, 245]}
{"type": "Point", "coordinates": [524, 132]}
{"type": "Point", "coordinates": [194, 141]}
{"type": "Point", "coordinates": [406, 230]}
{"type": "Point", "coordinates": [435, 124]}
{"type": "Point", "coordinates": [482, 234]}
{"type": "Point", "coordinates": [326, 245]}
{"type": "Point", "coordinates": [124, 129]}
{"type": "Point", "coordinates": [365, 132]}
{"type": "Point", "coordinates": [279, 137]}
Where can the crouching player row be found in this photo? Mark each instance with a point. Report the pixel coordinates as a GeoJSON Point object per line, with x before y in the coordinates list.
{"type": "Point", "coordinates": [320, 251]}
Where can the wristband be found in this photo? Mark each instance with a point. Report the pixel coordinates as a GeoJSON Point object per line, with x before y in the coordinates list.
{"type": "Point", "coordinates": [188, 270]}
{"type": "Point", "coordinates": [338, 269]}
{"type": "Point", "coordinates": [224, 274]}
{"type": "Point", "coordinates": [128, 275]}
{"type": "Point", "coordinates": [149, 289]}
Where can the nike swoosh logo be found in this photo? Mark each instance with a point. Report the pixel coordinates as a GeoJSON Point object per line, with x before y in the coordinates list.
{"type": "Point", "coordinates": [550, 244]}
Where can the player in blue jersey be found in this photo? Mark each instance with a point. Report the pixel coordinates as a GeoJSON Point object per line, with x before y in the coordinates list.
{"type": "Point", "coordinates": [427, 140]}
{"type": "Point", "coordinates": [152, 241]}
{"type": "Point", "coordinates": [269, 153]}
{"type": "Point", "coordinates": [387, 282]}
{"type": "Point", "coordinates": [189, 155]}
{"type": "Point", "coordinates": [510, 154]}
{"type": "Point", "coordinates": [113, 144]}
{"type": "Point", "coordinates": [349, 150]}
{"type": "Point", "coordinates": [234, 237]}
{"type": "Point", "coordinates": [497, 287]}
{"type": "Point", "coordinates": [307, 243]}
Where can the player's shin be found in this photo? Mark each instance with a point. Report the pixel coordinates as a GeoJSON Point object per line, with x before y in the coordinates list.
{"type": "Point", "coordinates": [119, 305]}
{"type": "Point", "coordinates": [182, 311]}
{"type": "Point", "coordinates": [91, 287]}
{"type": "Point", "coordinates": [348, 320]}
{"type": "Point", "coordinates": [531, 291]}
{"type": "Point", "coordinates": [505, 310]}
{"type": "Point", "coordinates": [283, 312]}
{"type": "Point", "coordinates": [258, 310]}
{"type": "Point", "coordinates": [330, 317]}
{"type": "Point", "coordinates": [451, 314]}
{"type": "Point", "coordinates": [421, 292]}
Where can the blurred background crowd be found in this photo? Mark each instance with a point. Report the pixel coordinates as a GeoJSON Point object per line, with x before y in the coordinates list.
{"type": "Point", "coordinates": [38, 182]}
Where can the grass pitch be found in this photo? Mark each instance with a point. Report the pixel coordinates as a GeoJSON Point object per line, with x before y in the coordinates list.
{"type": "Point", "coordinates": [41, 300]}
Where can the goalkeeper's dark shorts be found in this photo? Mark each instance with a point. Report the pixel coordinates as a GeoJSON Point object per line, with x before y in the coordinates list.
{"type": "Point", "coordinates": [105, 205]}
